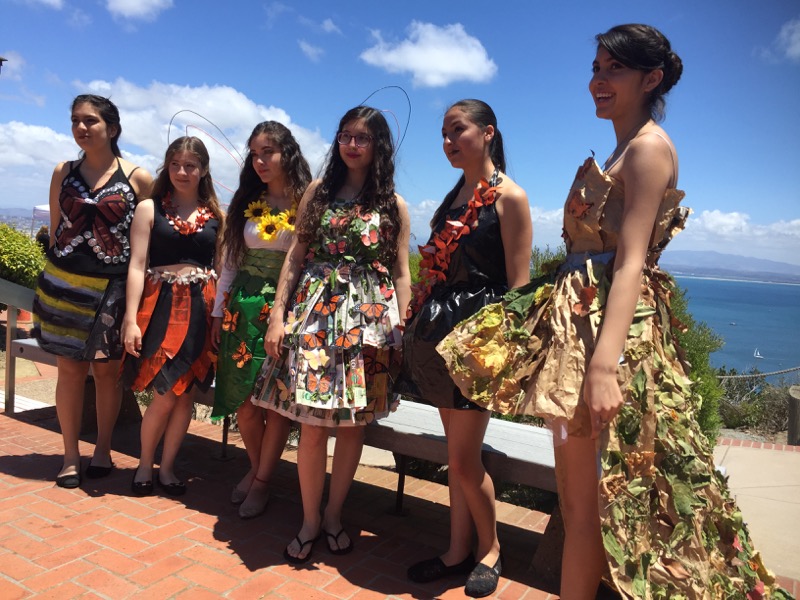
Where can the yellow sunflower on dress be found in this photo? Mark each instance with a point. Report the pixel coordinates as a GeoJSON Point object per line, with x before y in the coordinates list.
{"type": "Point", "coordinates": [255, 210]}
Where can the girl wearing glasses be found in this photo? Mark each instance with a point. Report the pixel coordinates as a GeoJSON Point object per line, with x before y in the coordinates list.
{"type": "Point", "coordinates": [590, 348]}
{"type": "Point", "coordinates": [258, 231]}
{"type": "Point", "coordinates": [345, 283]}
{"type": "Point", "coordinates": [480, 246]}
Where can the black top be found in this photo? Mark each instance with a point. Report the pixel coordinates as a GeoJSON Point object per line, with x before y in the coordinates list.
{"type": "Point", "coordinates": [169, 247]}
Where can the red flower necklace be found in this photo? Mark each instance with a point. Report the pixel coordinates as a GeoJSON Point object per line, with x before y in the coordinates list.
{"type": "Point", "coordinates": [181, 226]}
{"type": "Point", "coordinates": [436, 254]}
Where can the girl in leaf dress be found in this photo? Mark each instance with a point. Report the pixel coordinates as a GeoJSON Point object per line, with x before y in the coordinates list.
{"type": "Point", "coordinates": [258, 231]}
{"type": "Point", "coordinates": [345, 283]}
{"type": "Point", "coordinates": [590, 348]}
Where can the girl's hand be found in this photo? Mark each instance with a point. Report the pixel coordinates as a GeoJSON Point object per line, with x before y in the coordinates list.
{"type": "Point", "coordinates": [273, 340]}
{"type": "Point", "coordinates": [602, 395]}
{"type": "Point", "coordinates": [131, 338]}
{"type": "Point", "coordinates": [216, 332]}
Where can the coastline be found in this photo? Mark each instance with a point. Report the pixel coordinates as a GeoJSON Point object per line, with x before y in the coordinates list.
{"type": "Point", "coordinates": [678, 275]}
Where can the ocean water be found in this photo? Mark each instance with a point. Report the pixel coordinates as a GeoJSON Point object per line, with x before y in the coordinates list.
{"type": "Point", "coordinates": [749, 316]}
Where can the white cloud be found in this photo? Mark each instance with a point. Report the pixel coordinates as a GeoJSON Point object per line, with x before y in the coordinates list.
{"type": "Point", "coordinates": [435, 56]}
{"type": "Point", "coordinates": [57, 4]}
{"type": "Point", "coordinates": [28, 152]}
{"type": "Point", "coordinates": [734, 233]}
{"type": "Point", "coordinates": [788, 41]}
{"type": "Point", "coordinates": [328, 26]}
{"type": "Point", "coordinates": [314, 53]}
{"type": "Point", "coordinates": [274, 10]}
{"type": "Point", "coordinates": [79, 19]}
{"type": "Point", "coordinates": [144, 10]}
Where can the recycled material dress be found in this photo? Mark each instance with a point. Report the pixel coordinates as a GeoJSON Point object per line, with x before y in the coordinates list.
{"type": "Point", "coordinates": [669, 525]}
{"type": "Point", "coordinates": [80, 295]}
{"type": "Point", "coordinates": [341, 329]}
{"type": "Point", "coordinates": [244, 298]}
{"type": "Point", "coordinates": [174, 314]}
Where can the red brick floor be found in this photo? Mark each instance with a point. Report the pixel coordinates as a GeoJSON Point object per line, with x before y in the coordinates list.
{"type": "Point", "coordinates": [99, 542]}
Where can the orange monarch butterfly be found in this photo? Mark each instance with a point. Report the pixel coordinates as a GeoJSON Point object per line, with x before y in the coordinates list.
{"type": "Point", "coordinates": [315, 340]}
{"type": "Point", "coordinates": [370, 238]}
{"type": "Point", "coordinates": [319, 384]}
{"type": "Point", "coordinates": [241, 356]}
{"type": "Point", "coordinates": [264, 314]}
{"type": "Point", "coordinates": [229, 320]}
{"type": "Point", "coordinates": [372, 366]}
{"type": "Point", "coordinates": [349, 339]}
{"type": "Point", "coordinates": [386, 291]}
{"type": "Point", "coordinates": [372, 310]}
{"type": "Point", "coordinates": [302, 294]}
{"type": "Point", "coordinates": [337, 247]}
{"type": "Point", "coordinates": [326, 308]}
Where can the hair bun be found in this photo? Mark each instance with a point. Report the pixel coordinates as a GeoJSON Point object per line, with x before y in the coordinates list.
{"type": "Point", "coordinates": [673, 69]}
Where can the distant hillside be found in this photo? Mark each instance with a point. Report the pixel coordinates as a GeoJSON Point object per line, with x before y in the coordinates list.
{"type": "Point", "coordinates": [728, 266]}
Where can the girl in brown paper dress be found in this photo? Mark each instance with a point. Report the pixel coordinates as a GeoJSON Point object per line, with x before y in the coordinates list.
{"type": "Point", "coordinates": [590, 348]}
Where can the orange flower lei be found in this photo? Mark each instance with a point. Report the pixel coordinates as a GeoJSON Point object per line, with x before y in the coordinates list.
{"type": "Point", "coordinates": [436, 254]}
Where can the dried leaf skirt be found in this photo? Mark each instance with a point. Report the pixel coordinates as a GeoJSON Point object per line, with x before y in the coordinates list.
{"type": "Point", "coordinates": [669, 524]}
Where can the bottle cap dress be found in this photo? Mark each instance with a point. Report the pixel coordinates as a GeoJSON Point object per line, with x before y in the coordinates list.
{"type": "Point", "coordinates": [669, 525]}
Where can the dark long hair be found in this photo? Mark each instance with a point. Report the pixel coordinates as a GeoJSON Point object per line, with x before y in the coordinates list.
{"type": "Point", "coordinates": [378, 193]}
{"type": "Point", "coordinates": [205, 189]}
{"type": "Point", "coordinates": [298, 176]}
{"type": "Point", "coordinates": [645, 48]}
{"type": "Point", "coordinates": [480, 113]}
{"type": "Point", "coordinates": [108, 111]}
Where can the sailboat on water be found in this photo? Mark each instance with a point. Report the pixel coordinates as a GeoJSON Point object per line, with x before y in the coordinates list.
{"type": "Point", "coordinates": [757, 354]}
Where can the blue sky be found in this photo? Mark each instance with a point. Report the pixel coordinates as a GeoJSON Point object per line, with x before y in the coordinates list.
{"type": "Point", "coordinates": [733, 116]}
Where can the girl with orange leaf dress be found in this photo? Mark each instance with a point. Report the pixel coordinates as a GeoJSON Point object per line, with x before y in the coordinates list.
{"type": "Point", "coordinates": [170, 295]}
{"type": "Point", "coordinates": [348, 268]}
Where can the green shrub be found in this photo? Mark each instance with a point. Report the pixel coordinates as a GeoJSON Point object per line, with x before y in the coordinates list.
{"type": "Point", "coordinates": [21, 258]}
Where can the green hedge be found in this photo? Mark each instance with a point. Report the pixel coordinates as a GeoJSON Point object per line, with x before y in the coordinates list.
{"type": "Point", "coordinates": [21, 258]}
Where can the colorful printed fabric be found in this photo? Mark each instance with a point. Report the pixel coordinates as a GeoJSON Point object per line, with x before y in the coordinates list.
{"type": "Point", "coordinates": [245, 318]}
{"type": "Point", "coordinates": [341, 327]}
{"type": "Point", "coordinates": [669, 525]}
{"type": "Point", "coordinates": [78, 316]}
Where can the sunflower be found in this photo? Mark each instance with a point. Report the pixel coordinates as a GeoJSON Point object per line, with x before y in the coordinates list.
{"type": "Point", "coordinates": [256, 210]}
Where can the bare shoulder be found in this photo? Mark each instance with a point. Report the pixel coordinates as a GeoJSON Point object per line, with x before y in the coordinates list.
{"type": "Point", "coordinates": [401, 202]}
{"type": "Point", "coordinates": [651, 144]}
{"type": "Point", "coordinates": [62, 169]}
{"type": "Point", "coordinates": [510, 192]}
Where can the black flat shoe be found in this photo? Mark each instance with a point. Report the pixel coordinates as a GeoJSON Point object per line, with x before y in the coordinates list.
{"type": "Point", "coordinates": [95, 472]}
{"type": "Point", "coordinates": [69, 482]}
{"type": "Point", "coordinates": [141, 488]}
{"type": "Point", "coordinates": [433, 568]}
{"type": "Point", "coordinates": [483, 580]}
{"type": "Point", "coordinates": [172, 489]}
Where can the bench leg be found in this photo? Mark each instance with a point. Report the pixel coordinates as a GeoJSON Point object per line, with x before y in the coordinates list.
{"type": "Point", "coordinates": [226, 425]}
{"type": "Point", "coordinates": [11, 360]}
{"type": "Point", "coordinates": [401, 461]}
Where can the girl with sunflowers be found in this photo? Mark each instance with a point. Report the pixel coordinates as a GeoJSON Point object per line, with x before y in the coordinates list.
{"type": "Point", "coordinates": [259, 229]}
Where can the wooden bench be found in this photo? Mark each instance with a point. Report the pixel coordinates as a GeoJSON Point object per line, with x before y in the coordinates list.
{"type": "Point", "coordinates": [512, 452]}
{"type": "Point", "coordinates": [18, 297]}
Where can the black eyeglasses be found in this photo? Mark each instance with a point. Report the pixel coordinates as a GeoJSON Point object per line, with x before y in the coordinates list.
{"type": "Point", "coordinates": [362, 139]}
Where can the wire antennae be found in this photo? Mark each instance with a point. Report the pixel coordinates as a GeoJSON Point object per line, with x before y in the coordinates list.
{"type": "Point", "coordinates": [401, 137]}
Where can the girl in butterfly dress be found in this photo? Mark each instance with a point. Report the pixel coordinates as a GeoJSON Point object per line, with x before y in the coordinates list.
{"type": "Point", "coordinates": [345, 283]}
{"type": "Point", "coordinates": [170, 296]}
{"type": "Point", "coordinates": [80, 297]}
{"type": "Point", "coordinates": [259, 229]}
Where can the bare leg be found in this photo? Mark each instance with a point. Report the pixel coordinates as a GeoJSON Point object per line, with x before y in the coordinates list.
{"type": "Point", "coordinates": [251, 425]}
{"type": "Point", "coordinates": [584, 558]}
{"type": "Point", "coordinates": [464, 441]}
{"type": "Point", "coordinates": [177, 425]}
{"type": "Point", "coordinates": [154, 422]}
{"type": "Point", "coordinates": [274, 439]}
{"type": "Point", "coordinates": [461, 526]}
{"type": "Point", "coordinates": [109, 397]}
{"type": "Point", "coordinates": [346, 456]}
{"type": "Point", "coordinates": [69, 406]}
{"type": "Point", "coordinates": [311, 459]}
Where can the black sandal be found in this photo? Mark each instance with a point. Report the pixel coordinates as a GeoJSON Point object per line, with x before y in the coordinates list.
{"type": "Point", "coordinates": [297, 560]}
{"type": "Point", "coordinates": [339, 550]}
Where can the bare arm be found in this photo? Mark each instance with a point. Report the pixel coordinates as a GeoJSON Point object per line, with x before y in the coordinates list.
{"type": "Point", "coordinates": [287, 282]}
{"type": "Point", "coordinates": [516, 230]}
{"type": "Point", "coordinates": [140, 179]}
{"type": "Point", "coordinates": [60, 172]}
{"type": "Point", "coordinates": [140, 247]}
{"type": "Point", "coordinates": [646, 172]}
{"type": "Point", "coordinates": [401, 275]}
